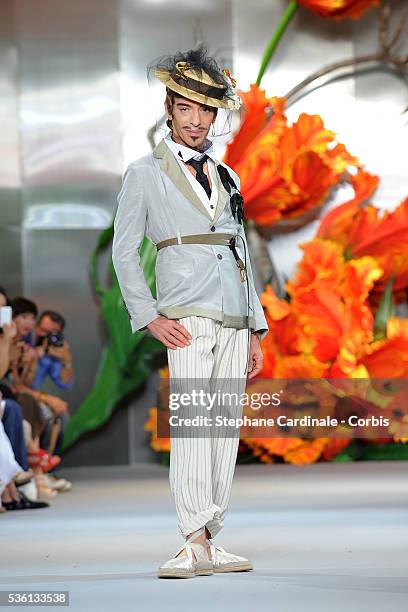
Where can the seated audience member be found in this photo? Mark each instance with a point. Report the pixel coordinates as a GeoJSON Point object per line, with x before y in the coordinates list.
{"type": "Point", "coordinates": [11, 412]}
{"type": "Point", "coordinates": [12, 416]}
{"type": "Point", "coordinates": [11, 497]}
{"type": "Point", "coordinates": [13, 426]}
{"type": "Point", "coordinates": [14, 469]}
{"type": "Point", "coordinates": [53, 351]}
{"type": "Point", "coordinates": [24, 360]}
{"type": "Point", "coordinates": [24, 435]}
{"type": "Point", "coordinates": [7, 333]}
{"type": "Point", "coordinates": [22, 356]}
{"type": "Point", "coordinates": [54, 361]}
{"type": "Point", "coordinates": [4, 299]}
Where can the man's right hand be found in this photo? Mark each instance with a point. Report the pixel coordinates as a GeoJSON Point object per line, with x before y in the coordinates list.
{"type": "Point", "coordinates": [56, 404]}
{"type": "Point", "coordinates": [170, 332]}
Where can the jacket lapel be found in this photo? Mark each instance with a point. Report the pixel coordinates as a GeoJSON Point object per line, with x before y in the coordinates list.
{"type": "Point", "coordinates": [170, 166]}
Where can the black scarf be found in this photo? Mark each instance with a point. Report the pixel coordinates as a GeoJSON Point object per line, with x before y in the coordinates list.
{"type": "Point", "coordinates": [236, 199]}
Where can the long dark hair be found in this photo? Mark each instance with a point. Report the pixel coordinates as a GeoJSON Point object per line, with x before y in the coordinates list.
{"type": "Point", "coordinates": [4, 292]}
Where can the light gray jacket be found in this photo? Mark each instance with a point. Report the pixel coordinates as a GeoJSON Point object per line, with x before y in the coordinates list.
{"type": "Point", "coordinates": [157, 200]}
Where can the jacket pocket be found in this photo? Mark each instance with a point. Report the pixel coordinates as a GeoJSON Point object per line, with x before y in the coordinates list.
{"type": "Point", "coordinates": [234, 291]}
{"type": "Point", "coordinates": [174, 277]}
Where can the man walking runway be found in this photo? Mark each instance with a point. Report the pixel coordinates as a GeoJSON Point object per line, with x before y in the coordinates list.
{"type": "Point", "coordinates": [207, 312]}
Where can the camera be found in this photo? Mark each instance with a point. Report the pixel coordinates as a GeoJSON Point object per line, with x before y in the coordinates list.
{"type": "Point", "coordinates": [53, 338]}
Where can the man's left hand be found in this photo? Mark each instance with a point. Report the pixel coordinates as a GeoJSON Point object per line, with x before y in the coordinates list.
{"type": "Point", "coordinates": [255, 364]}
{"type": "Point", "coordinates": [62, 353]}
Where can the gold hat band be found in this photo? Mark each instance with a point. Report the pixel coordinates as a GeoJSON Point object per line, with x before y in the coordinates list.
{"type": "Point", "coordinates": [199, 87]}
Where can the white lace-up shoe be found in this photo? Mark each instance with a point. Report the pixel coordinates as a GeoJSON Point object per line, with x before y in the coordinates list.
{"type": "Point", "coordinates": [224, 561]}
{"type": "Point", "coordinates": [188, 566]}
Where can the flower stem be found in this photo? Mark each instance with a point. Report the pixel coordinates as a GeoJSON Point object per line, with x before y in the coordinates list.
{"type": "Point", "coordinates": [270, 49]}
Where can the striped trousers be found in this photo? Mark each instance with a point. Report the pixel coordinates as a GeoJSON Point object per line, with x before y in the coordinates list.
{"type": "Point", "coordinates": [202, 468]}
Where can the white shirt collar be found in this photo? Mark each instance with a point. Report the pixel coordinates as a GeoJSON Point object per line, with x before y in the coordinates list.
{"type": "Point", "coordinates": [185, 153]}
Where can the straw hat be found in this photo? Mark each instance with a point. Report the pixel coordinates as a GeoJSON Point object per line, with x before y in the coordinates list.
{"type": "Point", "coordinates": [197, 85]}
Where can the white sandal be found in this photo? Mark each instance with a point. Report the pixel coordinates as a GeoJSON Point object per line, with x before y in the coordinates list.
{"type": "Point", "coordinates": [224, 561]}
{"type": "Point", "coordinates": [44, 490]}
{"type": "Point", "coordinates": [186, 566]}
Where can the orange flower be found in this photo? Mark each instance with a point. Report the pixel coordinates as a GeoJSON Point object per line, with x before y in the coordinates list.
{"type": "Point", "coordinates": [389, 357]}
{"type": "Point", "coordinates": [364, 231]}
{"type": "Point", "coordinates": [333, 326]}
{"type": "Point", "coordinates": [284, 170]}
{"type": "Point", "coordinates": [384, 237]}
{"type": "Point", "coordinates": [329, 316]}
{"type": "Point", "coordinates": [322, 264]}
{"type": "Point", "coordinates": [336, 223]}
{"type": "Point", "coordinates": [267, 447]}
{"type": "Point", "coordinates": [300, 366]}
{"type": "Point", "coordinates": [334, 447]}
{"type": "Point", "coordinates": [157, 444]}
{"type": "Point", "coordinates": [282, 339]}
{"type": "Point", "coordinates": [339, 9]}
{"type": "Point", "coordinates": [254, 107]}
{"type": "Point", "coordinates": [307, 452]}
{"type": "Point", "coordinates": [293, 450]}
{"type": "Point", "coordinates": [330, 321]}
{"type": "Point", "coordinates": [378, 235]}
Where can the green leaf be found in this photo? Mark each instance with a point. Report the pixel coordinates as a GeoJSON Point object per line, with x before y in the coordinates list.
{"type": "Point", "coordinates": [126, 361]}
{"type": "Point", "coordinates": [104, 239]}
{"type": "Point", "coordinates": [394, 451]}
{"type": "Point", "coordinates": [385, 310]}
{"type": "Point", "coordinates": [351, 453]}
{"type": "Point", "coordinates": [112, 383]}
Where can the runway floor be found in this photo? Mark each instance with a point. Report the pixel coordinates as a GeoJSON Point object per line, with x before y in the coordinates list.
{"type": "Point", "coordinates": [326, 536]}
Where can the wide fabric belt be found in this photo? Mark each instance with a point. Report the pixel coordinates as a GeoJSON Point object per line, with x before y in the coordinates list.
{"type": "Point", "coordinates": [216, 238]}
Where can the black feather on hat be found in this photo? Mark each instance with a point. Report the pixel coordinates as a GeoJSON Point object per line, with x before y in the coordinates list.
{"type": "Point", "coordinates": [195, 75]}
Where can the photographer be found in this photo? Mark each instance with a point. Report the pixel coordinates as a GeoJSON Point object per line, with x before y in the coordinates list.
{"type": "Point", "coordinates": [24, 363]}
{"type": "Point", "coordinates": [53, 351]}
{"type": "Point", "coordinates": [11, 412]}
{"type": "Point", "coordinates": [53, 359]}
{"type": "Point", "coordinates": [14, 468]}
{"type": "Point", "coordinates": [7, 332]}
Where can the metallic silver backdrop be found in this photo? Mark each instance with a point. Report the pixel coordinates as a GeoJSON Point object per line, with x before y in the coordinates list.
{"type": "Point", "coordinates": [75, 107]}
{"type": "Point", "coordinates": [10, 171]}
